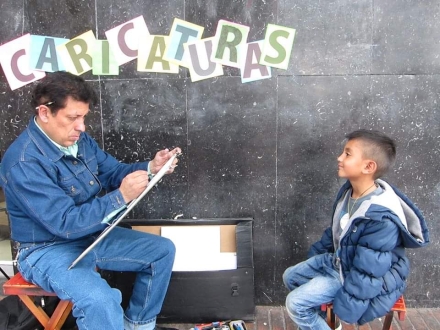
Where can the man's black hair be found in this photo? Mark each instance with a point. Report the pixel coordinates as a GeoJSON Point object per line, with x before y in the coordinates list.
{"type": "Point", "coordinates": [54, 89]}
{"type": "Point", "coordinates": [378, 147]}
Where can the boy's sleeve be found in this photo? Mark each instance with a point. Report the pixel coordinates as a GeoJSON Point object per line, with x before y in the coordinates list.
{"type": "Point", "coordinates": [365, 280]}
{"type": "Point", "coordinates": [324, 245]}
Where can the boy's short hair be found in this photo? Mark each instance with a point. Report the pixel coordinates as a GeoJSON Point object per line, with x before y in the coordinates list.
{"type": "Point", "coordinates": [376, 146]}
{"type": "Point", "coordinates": [54, 89]}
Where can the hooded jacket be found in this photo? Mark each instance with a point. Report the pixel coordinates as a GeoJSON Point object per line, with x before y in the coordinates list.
{"type": "Point", "coordinates": [371, 253]}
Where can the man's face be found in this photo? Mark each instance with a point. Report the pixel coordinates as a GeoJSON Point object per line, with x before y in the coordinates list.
{"type": "Point", "coordinates": [66, 126]}
{"type": "Point", "coordinates": [351, 162]}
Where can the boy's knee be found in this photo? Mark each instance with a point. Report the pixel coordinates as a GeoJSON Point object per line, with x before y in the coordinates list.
{"type": "Point", "coordinates": [293, 303]}
{"type": "Point", "coordinates": [285, 278]}
{"type": "Point", "coordinates": [288, 278]}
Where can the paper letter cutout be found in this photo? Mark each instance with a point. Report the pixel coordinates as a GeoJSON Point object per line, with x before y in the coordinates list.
{"type": "Point", "coordinates": [276, 53]}
{"type": "Point", "coordinates": [198, 54]}
{"type": "Point", "coordinates": [76, 54]}
{"type": "Point", "coordinates": [159, 53]}
{"type": "Point", "coordinates": [15, 58]}
{"type": "Point", "coordinates": [124, 39]}
{"type": "Point", "coordinates": [44, 55]}
{"type": "Point", "coordinates": [251, 70]}
{"type": "Point", "coordinates": [150, 57]}
{"type": "Point", "coordinates": [181, 32]}
{"type": "Point", "coordinates": [104, 62]}
{"type": "Point", "coordinates": [228, 37]}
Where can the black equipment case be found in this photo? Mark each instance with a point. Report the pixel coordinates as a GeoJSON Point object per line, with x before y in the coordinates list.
{"type": "Point", "coordinates": [202, 296]}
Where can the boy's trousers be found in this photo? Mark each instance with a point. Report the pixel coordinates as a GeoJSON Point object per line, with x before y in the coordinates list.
{"type": "Point", "coordinates": [311, 283]}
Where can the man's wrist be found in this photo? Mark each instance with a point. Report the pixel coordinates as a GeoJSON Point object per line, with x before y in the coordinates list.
{"type": "Point", "coordinates": [150, 175]}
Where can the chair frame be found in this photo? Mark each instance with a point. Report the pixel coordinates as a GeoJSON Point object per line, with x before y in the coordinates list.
{"type": "Point", "coordinates": [399, 307]}
{"type": "Point", "coordinates": [18, 286]}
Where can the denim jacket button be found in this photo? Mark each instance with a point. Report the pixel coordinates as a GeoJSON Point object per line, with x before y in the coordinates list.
{"type": "Point", "coordinates": [74, 162]}
{"type": "Point", "coordinates": [92, 183]}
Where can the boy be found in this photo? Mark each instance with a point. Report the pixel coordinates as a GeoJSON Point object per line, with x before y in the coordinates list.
{"type": "Point", "coordinates": [359, 264]}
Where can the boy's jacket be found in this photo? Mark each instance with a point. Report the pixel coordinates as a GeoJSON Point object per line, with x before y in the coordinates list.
{"type": "Point", "coordinates": [373, 264]}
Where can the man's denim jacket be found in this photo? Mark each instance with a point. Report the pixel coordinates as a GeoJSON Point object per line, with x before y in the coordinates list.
{"type": "Point", "coordinates": [53, 197]}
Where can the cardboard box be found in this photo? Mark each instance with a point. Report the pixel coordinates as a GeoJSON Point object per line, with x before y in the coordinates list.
{"type": "Point", "coordinates": [203, 296]}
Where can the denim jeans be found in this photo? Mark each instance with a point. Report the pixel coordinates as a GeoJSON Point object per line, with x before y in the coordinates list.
{"type": "Point", "coordinates": [311, 283]}
{"type": "Point", "coordinates": [95, 304]}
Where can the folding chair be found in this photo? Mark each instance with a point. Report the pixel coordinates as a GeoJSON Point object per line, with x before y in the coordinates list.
{"type": "Point", "coordinates": [18, 286]}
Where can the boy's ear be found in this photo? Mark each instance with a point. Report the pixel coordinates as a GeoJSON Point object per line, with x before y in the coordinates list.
{"type": "Point", "coordinates": [370, 167]}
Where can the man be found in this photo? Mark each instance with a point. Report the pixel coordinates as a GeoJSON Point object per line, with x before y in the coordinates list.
{"type": "Point", "coordinates": [52, 176]}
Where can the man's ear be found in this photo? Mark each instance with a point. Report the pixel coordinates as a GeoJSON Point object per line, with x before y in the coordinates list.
{"type": "Point", "coordinates": [43, 113]}
{"type": "Point", "coordinates": [370, 166]}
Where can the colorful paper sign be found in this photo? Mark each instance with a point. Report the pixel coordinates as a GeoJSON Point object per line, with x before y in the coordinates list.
{"type": "Point", "coordinates": [124, 39]}
{"type": "Point", "coordinates": [104, 61]}
{"type": "Point", "coordinates": [250, 69]}
{"type": "Point", "coordinates": [77, 53]}
{"type": "Point", "coordinates": [150, 57]}
{"type": "Point", "coordinates": [181, 33]}
{"type": "Point", "coordinates": [198, 55]}
{"type": "Point", "coordinates": [15, 58]}
{"type": "Point", "coordinates": [44, 55]}
{"type": "Point", "coordinates": [277, 48]}
{"type": "Point", "coordinates": [27, 58]}
{"type": "Point", "coordinates": [227, 38]}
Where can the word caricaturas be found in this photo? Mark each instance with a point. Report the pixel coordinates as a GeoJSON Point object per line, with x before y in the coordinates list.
{"type": "Point", "coordinates": [27, 58]}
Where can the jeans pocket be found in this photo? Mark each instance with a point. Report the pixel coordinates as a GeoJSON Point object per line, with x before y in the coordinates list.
{"type": "Point", "coordinates": [30, 255]}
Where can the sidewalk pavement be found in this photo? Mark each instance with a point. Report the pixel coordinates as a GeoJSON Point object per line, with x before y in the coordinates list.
{"type": "Point", "coordinates": [276, 318]}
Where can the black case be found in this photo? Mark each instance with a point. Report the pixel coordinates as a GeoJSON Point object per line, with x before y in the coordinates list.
{"type": "Point", "coordinates": [206, 296]}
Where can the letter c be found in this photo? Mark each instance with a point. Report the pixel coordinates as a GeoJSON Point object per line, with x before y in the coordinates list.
{"type": "Point", "coordinates": [121, 40]}
{"type": "Point", "coordinates": [16, 70]}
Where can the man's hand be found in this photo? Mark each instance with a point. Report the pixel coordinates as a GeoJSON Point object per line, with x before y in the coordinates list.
{"type": "Point", "coordinates": [133, 185]}
{"type": "Point", "coordinates": [161, 158]}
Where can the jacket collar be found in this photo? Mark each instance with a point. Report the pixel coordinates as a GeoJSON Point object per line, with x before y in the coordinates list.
{"type": "Point", "coordinates": [43, 143]}
{"type": "Point", "coordinates": [401, 210]}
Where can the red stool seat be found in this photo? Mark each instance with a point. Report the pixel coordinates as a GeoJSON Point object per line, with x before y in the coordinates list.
{"type": "Point", "coordinates": [398, 307]}
{"type": "Point", "coordinates": [18, 286]}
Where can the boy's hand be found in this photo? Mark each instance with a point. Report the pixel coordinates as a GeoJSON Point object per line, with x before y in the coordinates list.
{"type": "Point", "coordinates": [161, 158]}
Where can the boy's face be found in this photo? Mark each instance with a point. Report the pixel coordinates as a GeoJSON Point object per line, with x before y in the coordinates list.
{"type": "Point", "coordinates": [351, 163]}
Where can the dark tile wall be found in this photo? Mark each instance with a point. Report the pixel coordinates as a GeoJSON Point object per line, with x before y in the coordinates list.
{"type": "Point", "coordinates": [333, 37]}
{"type": "Point", "coordinates": [404, 37]}
{"type": "Point", "coordinates": [265, 149]}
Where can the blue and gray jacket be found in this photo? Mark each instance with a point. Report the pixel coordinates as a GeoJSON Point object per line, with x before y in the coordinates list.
{"type": "Point", "coordinates": [371, 253]}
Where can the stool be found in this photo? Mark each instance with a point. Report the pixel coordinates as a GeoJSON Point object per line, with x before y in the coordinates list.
{"type": "Point", "coordinates": [398, 307]}
{"type": "Point", "coordinates": [18, 286]}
